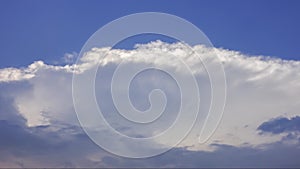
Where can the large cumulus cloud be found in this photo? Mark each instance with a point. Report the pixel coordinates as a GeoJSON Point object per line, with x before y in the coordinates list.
{"type": "Point", "coordinates": [36, 105]}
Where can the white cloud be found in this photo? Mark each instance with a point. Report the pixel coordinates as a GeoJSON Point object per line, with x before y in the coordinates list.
{"type": "Point", "coordinates": [259, 88]}
{"type": "Point", "coordinates": [70, 58]}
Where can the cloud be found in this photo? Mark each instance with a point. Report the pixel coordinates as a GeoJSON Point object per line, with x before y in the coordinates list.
{"type": "Point", "coordinates": [225, 156]}
{"type": "Point", "coordinates": [55, 145]}
{"type": "Point", "coordinates": [281, 125]}
{"type": "Point", "coordinates": [70, 58]}
{"type": "Point", "coordinates": [36, 104]}
{"type": "Point", "coordinates": [45, 146]}
{"type": "Point", "coordinates": [15, 74]}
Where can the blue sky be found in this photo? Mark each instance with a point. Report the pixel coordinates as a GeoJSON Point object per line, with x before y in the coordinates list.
{"type": "Point", "coordinates": [46, 30]}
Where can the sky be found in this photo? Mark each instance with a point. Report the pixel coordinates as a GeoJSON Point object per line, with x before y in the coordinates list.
{"type": "Point", "coordinates": [46, 30]}
{"type": "Point", "coordinates": [47, 99]}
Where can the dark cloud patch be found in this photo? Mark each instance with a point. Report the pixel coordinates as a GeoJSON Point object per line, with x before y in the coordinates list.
{"type": "Point", "coordinates": [281, 125]}
{"type": "Point", "coordinates": [55, 145]}
{"type": "Point", "coordinates": [226, 156]}
{"type": "Point", "coordinates": [8, 111]}
{"type": "Point", "coordinates": [45, 146]}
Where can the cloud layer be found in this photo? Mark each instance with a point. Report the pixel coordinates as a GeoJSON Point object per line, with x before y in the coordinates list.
{"type": "Point", "coordinates": [36, 105]}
